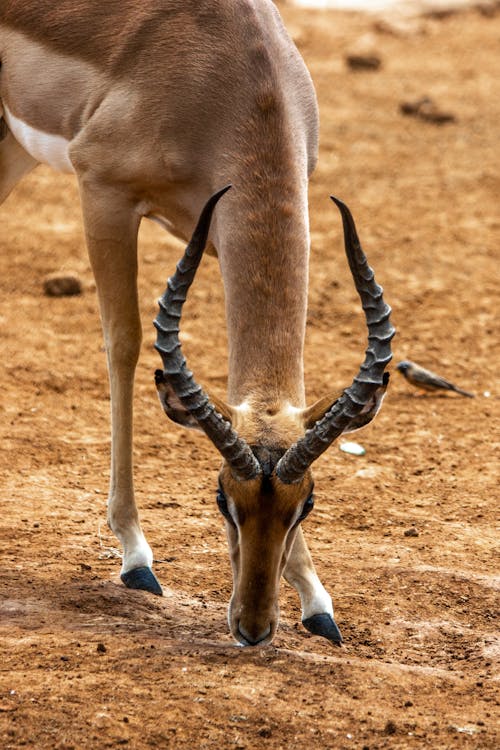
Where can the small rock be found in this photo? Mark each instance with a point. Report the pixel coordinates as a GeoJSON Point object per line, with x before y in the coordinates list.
{"type": "Point", "coordinates": [363, 61]}
{"type": "Point", "coordinates": [488, 8]}
{"type": "Point", "coordinates": [264, 732]}
{"type": "Point", "coordinates": [412, 531]}
{"type": "Point", "coordinates": [62, 285]}
{"type": "Point", "coordinates": [390, 728]}
{"type": "Point", "coordinates": [101, 648]}
{"type": "Point", "coordinates": [425, 109]}
{"type": "Point", "coordinates": [400, 26]}
{"type": "Point", "coordinates": [355, 449]}
{"type": "Point", "coordinates": [369, 473]}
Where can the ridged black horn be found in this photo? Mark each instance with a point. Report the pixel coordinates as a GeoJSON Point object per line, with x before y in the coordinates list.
{"type": "Point", "coordinates": [234, 449]}
{"type": "Point", "coordinates": [307, 449]}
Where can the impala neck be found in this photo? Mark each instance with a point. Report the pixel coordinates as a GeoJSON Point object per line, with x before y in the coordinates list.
{"type": "Point", "coordinates": [264, 254]}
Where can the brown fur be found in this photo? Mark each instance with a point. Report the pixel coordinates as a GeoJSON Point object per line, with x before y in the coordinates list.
{"type": "Point", "coordinates": [162, 103]}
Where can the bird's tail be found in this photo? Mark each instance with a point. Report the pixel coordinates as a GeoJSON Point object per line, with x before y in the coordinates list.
{"type": "Point", "coordinates": [462, 392]}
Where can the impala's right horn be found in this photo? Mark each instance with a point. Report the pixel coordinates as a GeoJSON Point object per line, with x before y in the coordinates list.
{"type": "Point", "coordinates": [234, 449]}
{"type": "Point", "coordinates": [295, 462]}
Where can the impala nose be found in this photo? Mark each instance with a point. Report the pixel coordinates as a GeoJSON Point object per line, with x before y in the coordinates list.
{"type": "Point", "coordinates": [252, 638]}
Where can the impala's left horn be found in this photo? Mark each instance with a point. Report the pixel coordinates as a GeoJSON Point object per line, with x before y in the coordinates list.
{"type": "Point", "coordinates": [234, 449]}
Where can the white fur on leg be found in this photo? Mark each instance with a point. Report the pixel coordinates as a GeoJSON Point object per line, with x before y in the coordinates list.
{"type": "Point", "coordinates": [314, 598]}
{"type": "Point", "coordinates": [301, 574]}
{"type": "Point", "coordinates": [136, 552]}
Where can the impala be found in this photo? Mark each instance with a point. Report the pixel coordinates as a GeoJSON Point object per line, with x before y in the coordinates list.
{"type": "Point", "coordinates": [155, 106]}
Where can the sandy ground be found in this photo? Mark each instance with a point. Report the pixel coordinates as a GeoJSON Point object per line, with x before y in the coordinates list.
{"type": "Point", "coordinates": [86, 663]}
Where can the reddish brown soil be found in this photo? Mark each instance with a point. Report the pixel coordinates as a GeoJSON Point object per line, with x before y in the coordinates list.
{"type": "Point", "coordinates": [88, 664]}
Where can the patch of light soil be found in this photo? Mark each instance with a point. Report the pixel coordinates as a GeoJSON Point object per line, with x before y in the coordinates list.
{"type": "Point", "coordinates": [413, 7]}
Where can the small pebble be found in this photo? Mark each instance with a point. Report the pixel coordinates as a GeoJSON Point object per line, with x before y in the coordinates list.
{"type": "Point", "coordinates": [412, 531]}
{"type": "Point", "coordinates": [264, 732]}
{"type": "Point", "coordinates": [400, 27]}
{"type": "Point", "coordinates": [426, 109]}
{"type": "Point", "coordinates": [101, 648]}
{"type": "Point", "coordinates": [355, 449]}
{"type": "Point", "coordinates": [363, 61]}
{"type": "Point", "coordinates": [390, 728]}
{"type": "Point", "coordinates": [62, 285]}
{"type": "Point", "coordinates": [369, 473]}
{"type": "Point", "coordinates": [488, 8]}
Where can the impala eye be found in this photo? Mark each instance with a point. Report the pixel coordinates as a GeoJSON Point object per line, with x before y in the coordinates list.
{"type": "Point", "coordinates": [306, 508]}
{"type": "Point", "coordinates": [222, 505]}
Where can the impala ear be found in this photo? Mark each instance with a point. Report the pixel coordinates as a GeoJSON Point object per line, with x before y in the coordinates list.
{"type": "Point", "coordinates": [177, 412]}
{"type": "Point", "coordinates": [317, 411]}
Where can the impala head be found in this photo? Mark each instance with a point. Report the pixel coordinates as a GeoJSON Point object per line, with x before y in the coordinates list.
{"type": "Point", "coordinates": [262, 517]}
{"type": "Point", "coordinates": [265, 485]}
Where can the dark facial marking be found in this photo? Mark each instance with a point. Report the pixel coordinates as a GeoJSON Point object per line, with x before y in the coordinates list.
{"type": "Point", "coordinates": [222, 505]}
{"type": "Point", "coordinates": [306, 508]}
{"type": "Point", "coordinates": [267, 457]}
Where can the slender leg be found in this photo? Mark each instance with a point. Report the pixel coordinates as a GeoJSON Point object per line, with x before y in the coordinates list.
{"type": "Point", "coordinates": [317, 608]}
{"type": "Point", "coordinates": [111, 226]}
{"type": "Point", "coordinates": [15, 162]}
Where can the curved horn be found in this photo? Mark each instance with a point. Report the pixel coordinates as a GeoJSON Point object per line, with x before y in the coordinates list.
{"type": "Point", "coordinates": [307, 449]}
{"type": "Point", "coordinates": [235, 450]}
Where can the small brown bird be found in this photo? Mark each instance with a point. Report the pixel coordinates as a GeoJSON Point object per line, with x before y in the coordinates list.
{"type": "Point", "coordinates": [427, 380]}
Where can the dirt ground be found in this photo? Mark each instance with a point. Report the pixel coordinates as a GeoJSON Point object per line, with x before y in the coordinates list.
{"type": "Point", "coordinates": [86, 663]}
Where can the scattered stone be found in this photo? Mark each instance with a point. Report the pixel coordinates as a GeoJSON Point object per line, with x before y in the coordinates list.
{"type": "Point", "coordinates": [359, 61]}
{"type": "Point", "coordinates": [369, 473]}
{"type": "Point", "coordinates": [425, 109]}
{"type": "Point", "coordinates": [265, 732]}
{"type": "Point", "coordinates": [488, 9]}
{"type": "Point", "coordinates": [62, 285]}
{"type": "Point", "coordinates": [390, 728]}
{"type": "Point", "coordinates": [355, 449]}
{"type": "Point", "coordinates": [101, 648]}
{"type": "Point", "coordinates": [400, 26]}
{"type": "Point", "coordinates": [363, 55]}
{"type": "Point", "coordinates": [412, 531]}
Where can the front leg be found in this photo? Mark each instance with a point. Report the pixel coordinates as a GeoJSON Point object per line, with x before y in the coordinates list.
{"type": "Point", "coordinates": [15, 162]}
{"type": "Point", "coordinates": [111, 226]}
{"type": "Point", "coordinates": [317, 608]}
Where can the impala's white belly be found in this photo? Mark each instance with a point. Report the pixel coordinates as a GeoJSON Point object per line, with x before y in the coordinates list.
{"type": "Point", "coordinates": [44, 147]}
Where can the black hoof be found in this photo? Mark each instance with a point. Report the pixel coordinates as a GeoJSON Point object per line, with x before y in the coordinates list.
{"type": "Point", "coordinates": [142, 578]}
{"type": "Point", "coordinates": [324, 625]}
